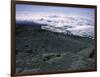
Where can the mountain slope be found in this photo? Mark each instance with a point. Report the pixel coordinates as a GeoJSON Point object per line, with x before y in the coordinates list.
{"type": "Point", "coordinates": [39, 50]}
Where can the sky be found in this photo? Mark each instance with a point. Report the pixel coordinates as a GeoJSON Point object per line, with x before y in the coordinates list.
{"type": "Point", "coordinates": [36, 9]}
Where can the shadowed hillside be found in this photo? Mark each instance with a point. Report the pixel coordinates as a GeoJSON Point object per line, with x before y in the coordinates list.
{"type": "Point", "coordinates": [42, 50]}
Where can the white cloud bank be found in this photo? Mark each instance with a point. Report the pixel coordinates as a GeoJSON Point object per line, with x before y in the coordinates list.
{"type": "Point", "coordinates": [56, 22]}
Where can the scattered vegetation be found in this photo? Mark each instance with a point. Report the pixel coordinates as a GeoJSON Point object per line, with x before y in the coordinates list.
{"type": "Point", "coordinates": [41, 50]}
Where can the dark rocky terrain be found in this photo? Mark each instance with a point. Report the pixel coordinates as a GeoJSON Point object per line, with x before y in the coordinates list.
{"type": "Point", "coordinates": [40, 50]}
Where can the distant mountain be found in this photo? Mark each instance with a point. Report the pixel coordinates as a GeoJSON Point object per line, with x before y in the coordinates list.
{"type": "Point", "coordinates": [67, 24]}
{"type": "Point", "coordinates": [25, 23]}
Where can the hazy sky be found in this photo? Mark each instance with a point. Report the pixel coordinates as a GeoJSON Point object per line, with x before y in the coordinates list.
{"type": "Point", "coordinates": [31, 9]}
